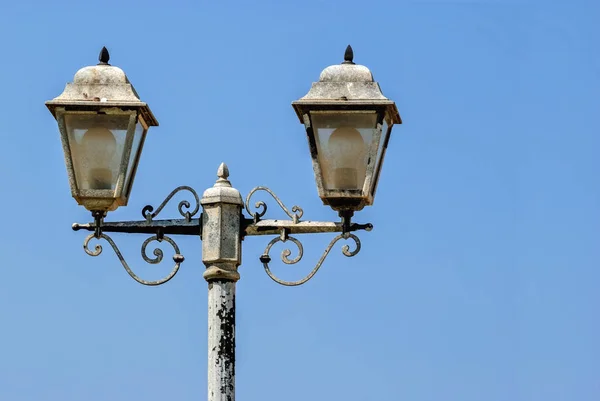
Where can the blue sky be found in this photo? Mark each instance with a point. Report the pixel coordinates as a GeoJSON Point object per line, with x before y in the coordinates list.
{"type": "Point", "coordinates": [479, 282]}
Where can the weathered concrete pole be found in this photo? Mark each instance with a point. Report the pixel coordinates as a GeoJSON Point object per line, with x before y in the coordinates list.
{"type": "Point", "coordinates": [221, 253]}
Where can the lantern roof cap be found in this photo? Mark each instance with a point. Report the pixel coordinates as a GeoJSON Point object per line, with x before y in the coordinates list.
{"type": "Point", "coordinates": [101, 85]}
{"type": "Point", "coordinates": [347, 71]}
{"type": "Point", "coordinates": [343, 85]}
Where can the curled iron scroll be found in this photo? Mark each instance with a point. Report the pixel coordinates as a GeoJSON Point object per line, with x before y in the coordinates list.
{"type": "Point", "coordinates": [158, 256]}
{"type": "Point", "coordinates": [148, 213]}
{"type": "Point", "coordinates": [265, 258]}
{"type": "Point", "coordinates": [295, 214]}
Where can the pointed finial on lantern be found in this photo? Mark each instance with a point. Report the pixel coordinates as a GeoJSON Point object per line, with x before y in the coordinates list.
{"type": "Point", "coordinates": [348, 55]}
{"type": "Point", "coordinates": [104, 56]}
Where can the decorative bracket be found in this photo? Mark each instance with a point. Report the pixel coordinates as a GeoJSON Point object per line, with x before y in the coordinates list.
{"type": "Point", "coordinates": [185, 226]}
{"type": "Point", "coordinates": [190, 225]}
{"type": "Point", "coordinates": [297, 210]}
{"type": "Point", "coordinates": [283, 228]}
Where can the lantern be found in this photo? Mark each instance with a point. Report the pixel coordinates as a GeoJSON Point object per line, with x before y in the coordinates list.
{"type": "Point", "coordinates": [348, 123]}
{"type": "Point", "coordinates": [103, 125]}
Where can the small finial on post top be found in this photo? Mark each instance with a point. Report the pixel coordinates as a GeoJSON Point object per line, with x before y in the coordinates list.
{"type": "Point", "coordinates": [348, 55]}
{"type": "Point", "coordinates": [223, 174]}
{"type": "Point", "coordinates": [223, 171]}
{"type": "Point", "coordinates": [104, 56]}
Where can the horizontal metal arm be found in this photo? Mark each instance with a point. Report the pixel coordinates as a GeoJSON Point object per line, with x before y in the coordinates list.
{"type": "Point", "coordinates": [169, 226]}
{"type": "Point", "coordinates": [193, 227]}
{"type": "Point", "coordinates": [274, 227]}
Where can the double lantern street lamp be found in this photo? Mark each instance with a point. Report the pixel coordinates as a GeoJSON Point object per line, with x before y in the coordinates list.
{"type": "Point", "coordinates": [103, 126]}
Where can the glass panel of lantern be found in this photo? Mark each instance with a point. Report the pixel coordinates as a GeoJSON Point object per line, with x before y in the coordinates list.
{"type": "Point", "coordinates": [100, 149]}
{"type": "Point", "coordinates": [347, 147]}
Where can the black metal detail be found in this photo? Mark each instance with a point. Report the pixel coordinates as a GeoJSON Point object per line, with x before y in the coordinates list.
{"type": "Point", "coordinates": [104, 56]}
{"type": "Point", "coordinates": [158, 253]}
{"type": "Point", "coordinates": [147, 210]}
{"type": "Point", "coordinates": [348, 55]}
{"type": "Point", "coordinates": [169, 227]}
{"type": "Point", "coordinates": [346, 216]}
{"type": "Point", "coordinates": [296, 210]}
{"type": "Point", "coordinates": [265, 258]}
{"type": "Point", "coordinates": [356, 227]}
{"type": "Point", "coordinates": [99, 216]}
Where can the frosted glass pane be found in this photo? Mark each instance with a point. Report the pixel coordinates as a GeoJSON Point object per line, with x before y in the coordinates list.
{"type": "Point", "coordinates": [97, 142]}
{"type": "Point", "coordinates": [343, 143]}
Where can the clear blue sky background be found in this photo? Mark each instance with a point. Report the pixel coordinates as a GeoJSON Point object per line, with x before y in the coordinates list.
{"type": "Point", "coordinates": [479, 282]}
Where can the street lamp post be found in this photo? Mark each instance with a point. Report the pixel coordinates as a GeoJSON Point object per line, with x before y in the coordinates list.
{"type": "Point", "coordinates": [103, 126]}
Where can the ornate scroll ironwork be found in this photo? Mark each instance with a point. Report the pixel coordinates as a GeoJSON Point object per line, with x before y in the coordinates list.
{"type": "Point", "coordinates": [286, 227]}
{"type": "Point", "coordinates": [158, 253]}
{"type": "Point", "coordinates": [148, 213]}
{"type": "Point", "coordinates": [193, 226]}
{"type": "Point", "coordinates": [150, 226]}
{"type": "Point", "coordinates": [295, 215]}
{"type": "Point", "coordinates": [265, 258]}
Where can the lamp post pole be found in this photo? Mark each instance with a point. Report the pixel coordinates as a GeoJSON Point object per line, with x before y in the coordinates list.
{"type": "Point", "coordinates": [221, 253]}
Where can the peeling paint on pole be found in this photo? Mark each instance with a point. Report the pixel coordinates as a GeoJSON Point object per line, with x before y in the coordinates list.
{"type": "Point", "coordinates": [221, 340]}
